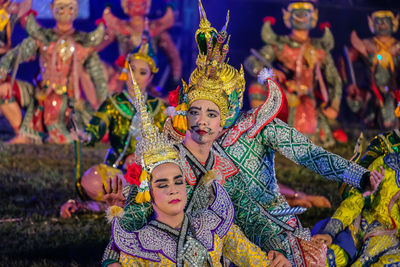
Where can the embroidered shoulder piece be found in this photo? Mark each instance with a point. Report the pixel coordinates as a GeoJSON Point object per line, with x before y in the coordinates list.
{"type": "Point", "coordinates": [224, 166]}
{"type": "Point", "coordinates": [216, 219]}
{"type": "Point", "coordinates": [326, 42]}
{"type": "Point", "coordinates": [35, 30]}
{"type": "Point", "coordinates": [121, 103]}
{"type": "Point", "coordinates": [147, 242]}
{"type": "Point", "coordinates": [254, 120]}
{"type": "Point", "coordinates": [91, 39]}
{"type": "Point", "coordinates": [144, 243]}
{"type": "Point", "coordinates": [393, 161]}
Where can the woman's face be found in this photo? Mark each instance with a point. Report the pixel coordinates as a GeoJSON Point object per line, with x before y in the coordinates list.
{"type": "Point", "coordinates": [142, 72]}
{"type": "Point", "coordinates": [204, 121]}
{"type": "Point", "coordinates": [168, 190]}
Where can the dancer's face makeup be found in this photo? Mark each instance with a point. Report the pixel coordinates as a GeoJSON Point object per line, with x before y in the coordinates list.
{"type": "Point", "coordinates": [204, 121]}
{"type": "Point", "coordinates": [168, 190]}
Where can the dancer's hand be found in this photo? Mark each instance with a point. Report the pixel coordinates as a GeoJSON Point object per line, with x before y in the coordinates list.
{"type": "Point", "coordinates": [300, 201]}
{"type": "Point", "coordinates": [68, 208]}
{"type": "Point", "coordinates": [319, 201]}
{"type": "Point", "coordinates": [113, 195]}
{"type": "Point", "coordinates": [375, 179]}
{"type": "Point", "coordinates": [278, 260]}
{"type": "Point", "coordinates": [327, 239]}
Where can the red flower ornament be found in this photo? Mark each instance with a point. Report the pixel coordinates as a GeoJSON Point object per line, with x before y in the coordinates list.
{"type": "Point", "coordinates": [173, 97]}
{"type": "Point", "coordinates": [270, 19]}
{"type": "Point", "coordinates": [324, 25]}
{"type": "Point", "coordinates": [133, 174]}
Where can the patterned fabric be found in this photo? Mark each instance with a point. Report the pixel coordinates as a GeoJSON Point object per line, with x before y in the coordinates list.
{"type": "Point", "coordinates": [136, 215]}
{"type": "Point", "coordinates": [54, 112]}
{"type": "Point", "coordinates": [254, 120]}
{"type": "Point", "coordinates": [254, 188]}
{"type": "Point", "coordinates": [150, 241]}
{"type": "Point", "coordinates": [212, 227]}
{"type": "Point", "coordinates": [234, 245]}
{"type": "Point", "coordinates": [223, 166]}
{"type": "Point", "coordinates": [393, 161]}
{"type": "Point", "coordinates": [377, 235]}
{"type": "Point", "coordinates": [352, 174]}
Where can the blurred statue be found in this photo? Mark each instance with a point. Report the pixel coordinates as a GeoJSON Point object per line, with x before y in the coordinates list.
{"type": "Point", "coordinates": [305, 68]}
{"type": "Point", "coordinates": [373, 98]}
{"type": "Point", "coordinates": [128, 34]}
{"type": "Point", "coordinates": [10, 13]}
{"type": "Point", "coordinates": [71, 84]}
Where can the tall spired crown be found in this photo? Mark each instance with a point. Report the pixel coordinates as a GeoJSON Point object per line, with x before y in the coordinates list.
{"type": "Point", "coordinates": [154, 148]}
{"type": "Point", "coordinates": [214, 79]}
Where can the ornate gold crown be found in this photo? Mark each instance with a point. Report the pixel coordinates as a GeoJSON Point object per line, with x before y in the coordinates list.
{"type": "Point", "coordinates": [383, 14]}
{"type": "Point", "coordinates": [214, 79]}
{"type": "Point", "coordinates": [153, 148]}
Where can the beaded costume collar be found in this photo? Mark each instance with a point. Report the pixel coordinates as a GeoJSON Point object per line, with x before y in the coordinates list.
{"type": "Point", "coordinates": [147, 242]}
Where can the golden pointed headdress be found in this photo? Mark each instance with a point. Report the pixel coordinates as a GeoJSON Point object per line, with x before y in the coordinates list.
{"type": "Point", "coordinates": [153, 148]}
{"type": "Point", "coordinates": [213, 79]}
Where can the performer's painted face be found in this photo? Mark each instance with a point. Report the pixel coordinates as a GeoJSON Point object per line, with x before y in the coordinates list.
{"type": "Point", "coordinates": [136, 7]}
{"type": "Point", "coordinates": [64, 10]}
{"type": "Point", "coordinates": [301, 19]}
{"type": "Point", "coordinates": [168, 190]}
{"type": "Point", "coordinates": [383, 26]}
{"type": "Point", "coordinates": [142, 73]}
{"type": "Point", "coordinates": [204, 121]}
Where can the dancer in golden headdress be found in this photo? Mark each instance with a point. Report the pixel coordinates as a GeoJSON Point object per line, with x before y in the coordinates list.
{"type": "Point", "coordinates": [196, 236]}
{"type": "Point", "coordinates": [241, 146]}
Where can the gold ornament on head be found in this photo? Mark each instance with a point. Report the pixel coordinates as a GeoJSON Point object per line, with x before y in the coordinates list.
{"type": "Point", "coordinates": [213, 79]}
{"type": "Point", "coordinates": [153, 148]}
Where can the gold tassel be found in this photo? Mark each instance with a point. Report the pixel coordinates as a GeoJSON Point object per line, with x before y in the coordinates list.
{"type": "Point", "coordinates": [143, 195]}
{"type": "Point", "coordinates": [139, 198]}
{"type": "Point", "coordinates": [143, 176]}
{"type": "Point", "coordinates": [179, 122]}
{"type": "Point", "coordinates": [397, 111]}
{"type": "Point", "coordinates": [124, 73]}
{"type": "Point", "coordinates": [147, 196]}
{"type": "Point", "coordinates": [175, 121]}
